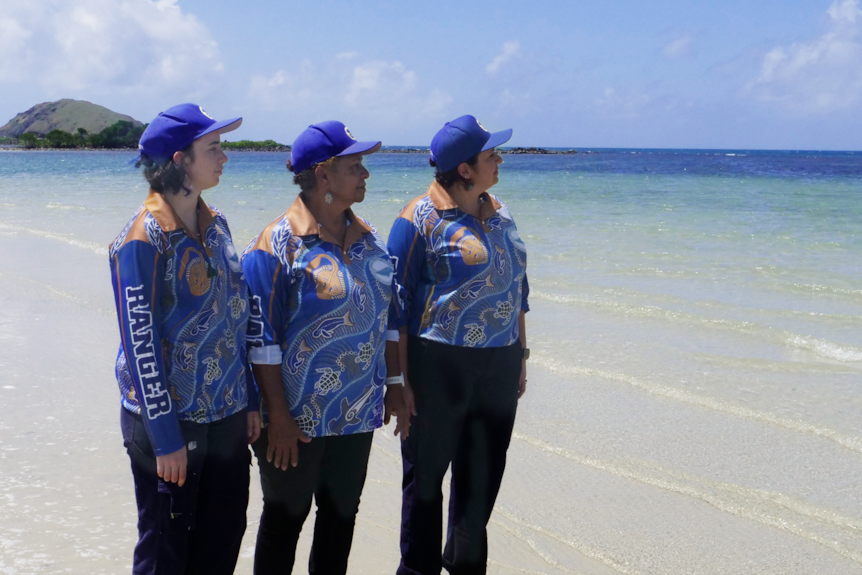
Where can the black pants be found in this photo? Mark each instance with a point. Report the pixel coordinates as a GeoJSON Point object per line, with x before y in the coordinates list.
{"type": "Point", "coordinates": [466, 401]}
{"type": "Point", "coordinates": [330, 469]}
{"type": "Point", "coordinates": [196, 528]}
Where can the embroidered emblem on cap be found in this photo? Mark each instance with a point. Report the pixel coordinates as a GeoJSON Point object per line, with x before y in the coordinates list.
{"type": "Point", "coordinates": [349, 135]}
{"type": "Point", "coordinates": [481, 126]}
{"type": "Point", "coordinates": [205, 114]}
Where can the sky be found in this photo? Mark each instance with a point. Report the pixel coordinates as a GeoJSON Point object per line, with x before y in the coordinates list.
{"type": "Point", "coordinates": [771, 74]}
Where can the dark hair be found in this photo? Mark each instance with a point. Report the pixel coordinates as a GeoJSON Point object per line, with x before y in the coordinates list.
{"type": "Point", "coordinates": [452, 177]}
{"type": "Point", "coordinates": [166, 176]}
{"type": "Point", "coordinates": [306, 179]}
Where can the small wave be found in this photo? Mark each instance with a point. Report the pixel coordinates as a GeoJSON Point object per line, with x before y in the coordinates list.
{"type": "Point", "coordinates": [59, 206]}
{"type": "Point", "coordinates": [822, 289]}
{"type": "Point", "coordinates": [91, 246]}
{"type": "Point", "coordinates": [824, 348]}
{"type": "Point", "coordinates": [849, 441]}
{"type": "Point", "coordinates": [775, 509]}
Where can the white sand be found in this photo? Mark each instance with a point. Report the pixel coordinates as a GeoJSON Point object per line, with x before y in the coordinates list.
{"type": "Point", "coordinates": [603, 476]}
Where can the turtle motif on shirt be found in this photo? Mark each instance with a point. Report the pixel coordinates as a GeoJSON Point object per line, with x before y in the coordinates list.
{"type": "Point", "coordinates": [475, 335]}
{"type": "Point", "coordinates": [366, 352]}
{"type": "Point", "coordinates": [349, 363]}
{"type": "Point", "coordinates": [213, 371]}
{"type": "Point", "coordinates": [505, 309]}
{"type": "Point", "coordinates": [330, 380]}
{"type": "Point", "coordinates": [237, 306]}
{"type": "Point", "coordinates": [306, 422]}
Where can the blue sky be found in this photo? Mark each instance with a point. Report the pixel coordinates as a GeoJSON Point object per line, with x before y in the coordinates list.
{"type": "Point", "coordinates": [732, 74]}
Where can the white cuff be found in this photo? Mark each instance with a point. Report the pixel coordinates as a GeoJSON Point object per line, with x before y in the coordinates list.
{"type": "Point", "coordinates": [391, 335]}
{"type": "Point", "coordinates": [266, 355]}
{"type": "Point", "coordinates": [395, 380]}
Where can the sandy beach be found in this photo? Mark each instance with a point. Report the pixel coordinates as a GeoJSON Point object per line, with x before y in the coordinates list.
{"type": "Point", "coordinates": [694, 392]}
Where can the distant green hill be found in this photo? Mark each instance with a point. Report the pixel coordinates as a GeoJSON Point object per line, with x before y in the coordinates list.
{"type": "Point", "coordinates": [66, 115]}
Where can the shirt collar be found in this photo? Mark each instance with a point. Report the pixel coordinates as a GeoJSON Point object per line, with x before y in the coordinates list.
{"type": "Point", "coordinates": [303, 223]}
{"type": "Point", "coordinates": [168, 219]}
{"type": "Point", "coordinates": [443, 201]}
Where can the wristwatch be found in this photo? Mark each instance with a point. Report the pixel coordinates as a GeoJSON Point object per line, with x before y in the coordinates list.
{"type": "Point", "coordinates": [526, 353]}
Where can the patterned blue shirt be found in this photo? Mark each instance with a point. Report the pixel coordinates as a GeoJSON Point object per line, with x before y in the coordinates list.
{"type": "Point", "coordinates": [321, 312]}
{"type": "Point", "coordinates": [183, 312]}
{"type": "Point", "coordinates": [464, 278]}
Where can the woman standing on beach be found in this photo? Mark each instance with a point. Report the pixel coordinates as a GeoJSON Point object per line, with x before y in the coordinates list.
{"type": "Point", "coordinates": [182, 304]}
{"type": "Point", "coordinates": [463, 267]}
{"type": "Point", "coordinates": [322, 283]}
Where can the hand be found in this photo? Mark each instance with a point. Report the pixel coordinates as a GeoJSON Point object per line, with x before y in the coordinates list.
{"type": "Point", "coordinates": [172, 467]}
{"type": "Point", "coordinates": [522, 382]}
{"type": "Point", "coordinates": [395, 405]}
{"type": "Point", "coordinates": [253, 429]}
{"type": "Point", "coordinates": [409, 398]}
{"type": "Point", "coordinates": [283, 436]}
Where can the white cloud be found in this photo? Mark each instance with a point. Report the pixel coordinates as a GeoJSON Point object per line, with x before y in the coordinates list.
{"type": "Point", "coordinates": [820, 75]}
{"type": "Point", "coordinates": [337, 86]}
{"type": "Point", "coordinates": [506, 54]}
{"type": "Point", "coordinates": [105, 46]}
{"type": "Point", "coordinates": [679, 47]}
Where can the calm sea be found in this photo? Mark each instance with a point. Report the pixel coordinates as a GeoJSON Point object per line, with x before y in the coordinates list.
{"type": "Point", "coordinates": [696, 328]}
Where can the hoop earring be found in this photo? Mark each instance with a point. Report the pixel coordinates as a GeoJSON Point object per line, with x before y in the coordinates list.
{"type": "Point", "coordinates": [328, 197]}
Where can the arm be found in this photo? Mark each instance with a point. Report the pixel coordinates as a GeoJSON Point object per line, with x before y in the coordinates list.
{"type": "Point", "coordinates": [522, 334]}
{"type": "Point", "coordinates": [394, 402]}
{"type": "Point", "coordinates": [270, 284]}
{"type": "Point", "coordinates": [135, 271]}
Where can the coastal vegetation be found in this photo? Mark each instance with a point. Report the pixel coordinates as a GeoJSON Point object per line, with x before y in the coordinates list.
{"type": "Point", "coordinates": [121, 134]}
{"type": "Point", "coordinates": [255, 146]}
{"type": "Point", "coordinates": [65, 115]}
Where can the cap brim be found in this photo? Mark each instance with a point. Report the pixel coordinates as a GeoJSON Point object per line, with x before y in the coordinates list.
{"type": "Point", "coordinates": [222, 127]}
{"type": "Point", "coordinates": [361, 148]}
{"type": "Point", "coordinates": [497, 139]}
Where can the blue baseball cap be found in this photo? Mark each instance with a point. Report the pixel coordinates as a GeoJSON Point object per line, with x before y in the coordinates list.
{"type": "Point", "coordinates": [325, 140]}
{"type": "Point", "coordinates": [176, 128]}
{"type": "Point", "coordinates": [461, 139]}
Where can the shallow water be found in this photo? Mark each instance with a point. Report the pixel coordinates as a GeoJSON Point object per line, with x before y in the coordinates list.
{"type": "Point", "coordinates": [695, 391]}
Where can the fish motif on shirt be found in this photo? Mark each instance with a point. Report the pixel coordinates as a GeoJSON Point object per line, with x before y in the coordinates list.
{"type": "Point", "coordinates": [449, 315]}
{"type": "Point", "coordinates": [328, 278]}
{"type": "Point", "coordinates": [297, 358]}
{"type": "Point", "coordinates": [357, 251]}
{"type": "Point", "coordinates": [495, 222]}
{"type": "Point", "coordinates": [185, 356]}
{"type": "Point", "coordinates": [328, 326]}
{"type": "Point", "coordinates": [473, 251]}
{"type": "Point", "coordinates": [204, 318]}
{"type": "Point", "coordinates": [499, 259]}
{"type": "Point", "coordinates": [475, 287]}
{"type": "Point", "coordinates": [358, 296]}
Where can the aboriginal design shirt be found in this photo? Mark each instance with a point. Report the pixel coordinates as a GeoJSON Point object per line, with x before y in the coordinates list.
{"type": "Point", "coordinates": [321, 310]}
{"type": "Point", "coordinates": [183, 311]}
{"type": "Point", "coordinates": [464, 278]}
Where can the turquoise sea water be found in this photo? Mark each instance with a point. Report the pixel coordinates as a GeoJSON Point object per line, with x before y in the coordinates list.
{"type": "Point", "coordinates": [695, 330]}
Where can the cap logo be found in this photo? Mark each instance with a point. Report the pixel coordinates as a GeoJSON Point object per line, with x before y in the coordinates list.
{"type": "Point", "coordinates": [481, 126]}
{"type": "Point", "coordinates": [349, 135]}
{"type": "Point", "coordinates": [205, 114]}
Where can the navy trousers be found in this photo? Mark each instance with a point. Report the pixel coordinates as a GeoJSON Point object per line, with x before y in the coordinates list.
{"type": "Point", "coordinates": [331, 470]}
{"type": "Point", "coordinates": [196, 528]}
{"type": "Point", "coordinates": [466, 399]}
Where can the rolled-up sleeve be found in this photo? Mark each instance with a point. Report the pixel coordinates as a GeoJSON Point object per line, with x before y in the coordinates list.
{"type": "Point", "coordinates": [269, 285]}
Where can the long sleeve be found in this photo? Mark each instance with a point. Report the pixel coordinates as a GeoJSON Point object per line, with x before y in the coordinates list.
{"type": "Point", "coordinates": [269, 284]}
{"type": "Point", "coordinates": [525, 294]}
{"type": "Point", "coordinates": [135, 270]}
{"type": "Point", "coordinates": [406, 247]}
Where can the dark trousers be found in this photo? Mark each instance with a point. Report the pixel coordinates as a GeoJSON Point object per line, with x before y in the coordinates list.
{"type": "Point", "coordinates": [466, 401]}
{"type": "Point", "coordinates": [332, 471]}
{"type": "Point", "coordinates": [196, 528]}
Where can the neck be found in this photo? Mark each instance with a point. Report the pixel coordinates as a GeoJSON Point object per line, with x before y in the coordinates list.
{"type": "Point", "coordinates": [186, 207]}
{"type": "Point", "coordinates": [467, 200]}
{"type": "Point", "coordinates": [333, 217]}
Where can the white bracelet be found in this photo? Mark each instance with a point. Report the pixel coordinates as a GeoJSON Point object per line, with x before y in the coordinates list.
{"type": "Point", "coordinates": [395, 380]}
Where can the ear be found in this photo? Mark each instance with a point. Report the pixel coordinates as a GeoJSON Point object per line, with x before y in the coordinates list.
{"type": "Point", "coordinates": [178, 158]}
{"type": "Point", "coordinates": [322, 175]}
{"type": "Point", "coordinates": [464, 170]}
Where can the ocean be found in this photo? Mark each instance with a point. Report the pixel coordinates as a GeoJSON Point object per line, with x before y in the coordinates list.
{"type": "Point", "coordinates": [695, 391]}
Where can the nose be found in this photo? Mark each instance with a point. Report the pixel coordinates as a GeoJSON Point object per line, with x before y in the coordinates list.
{"type": "Point", "coordinates": [365, 173]}
{"type": "Point", "coordinates": [222, 158]}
